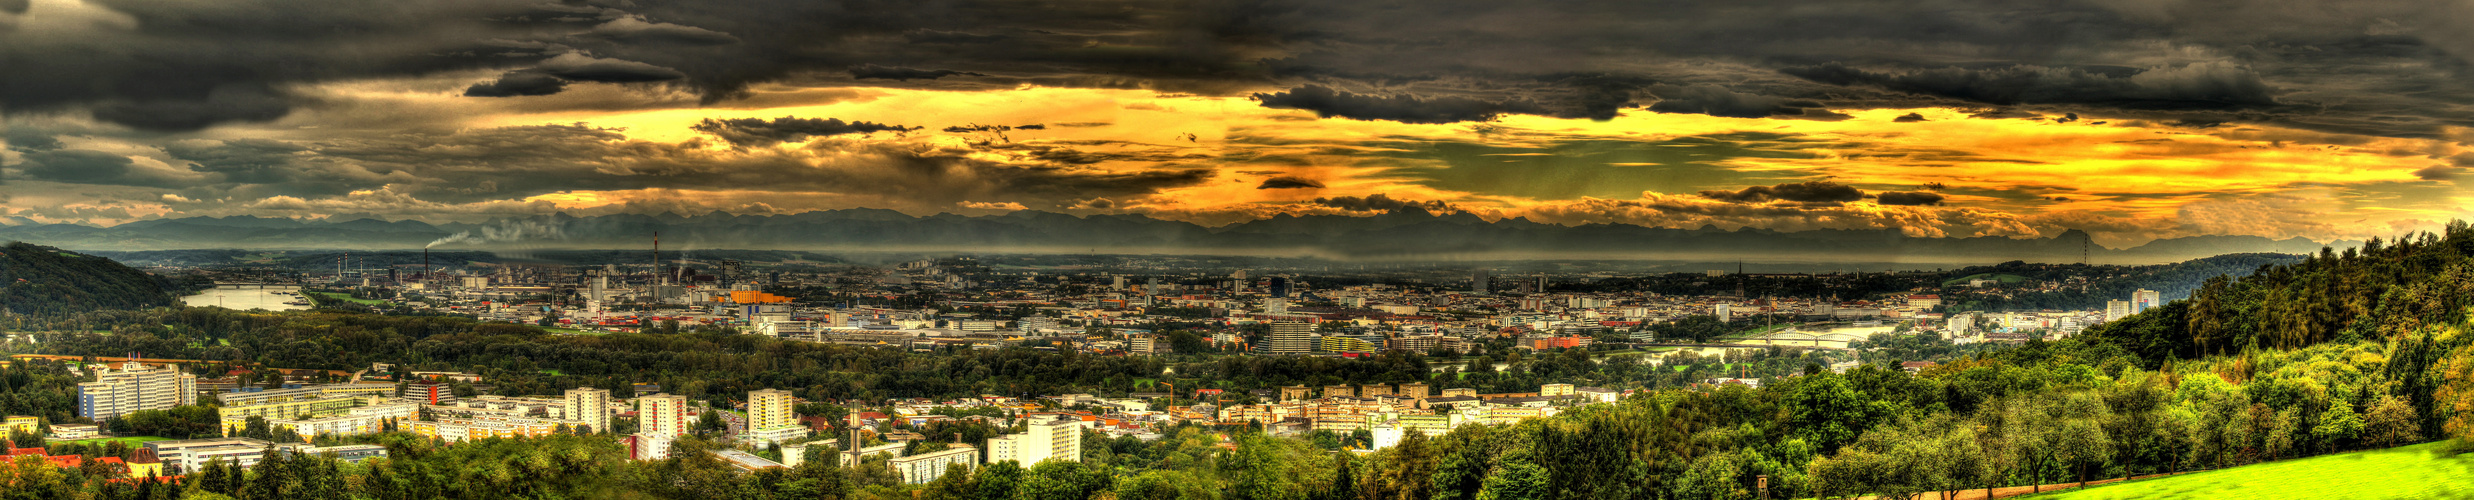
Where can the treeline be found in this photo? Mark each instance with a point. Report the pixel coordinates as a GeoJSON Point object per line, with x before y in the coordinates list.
{"type": "Point", "coordinates": [40, 280]}
{"type": "Point", "coordinates": [2108, 283]}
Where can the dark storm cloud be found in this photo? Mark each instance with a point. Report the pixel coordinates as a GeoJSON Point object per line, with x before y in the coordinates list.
{"type": "Point", "coordinates": [518, 83]}
{"type": "Point", "coordinates": [2437, 173]}
{"type": "Point", "coordinates": [1716, 101]}
{"type": "Point", "coordinates": [1289, 182]}
{"type": "Point", "coordinates": [963, 129]}
{"type": "Point", "coordinates": [2380, 67]}
{"type": "Point", "coordinates": [28, 139]}
{"type": "Point", "coordinates": [498, 164]}
{"type": "Point", "coordinates": [255, 161]}
{"type": "Point", "coordinates": [79, 166]}
{"type": "Point", "coordinates": [1327, 103]}
{"type": "Point", "coordinates": [637, 29]}
{"type": "Point", "coordinates": [896, 73]}
{"type": "Point", "coordinates": [762, 132]}
{"type": "Point", "coordinates": [1910, 118]}
{"type": "Point", "coordinates": [1801, 192]}
{"type": "Point", "coordinates": [2194, 86]}
{"type": "Point", "coordinates": [1908, 198]}
{"type": "Point", "coordinates": [1382, 203]}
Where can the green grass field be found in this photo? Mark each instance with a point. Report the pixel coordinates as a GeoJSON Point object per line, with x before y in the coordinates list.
{"type": "Point", "coordinates": [129, 440]}
{"type": "Point", "coordinates": [2417, 471]}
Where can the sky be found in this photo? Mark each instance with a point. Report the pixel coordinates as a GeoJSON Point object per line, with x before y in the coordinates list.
{"type": "Point", "coordinates": [2132, 120]}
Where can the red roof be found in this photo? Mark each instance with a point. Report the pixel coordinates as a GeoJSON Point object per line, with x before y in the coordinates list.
{"type": "Point", "coordinates": [68, 461]}
{"type": "Point", "coordinates": [28, 451]}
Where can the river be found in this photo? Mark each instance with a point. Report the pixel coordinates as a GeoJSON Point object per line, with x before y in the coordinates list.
{"type": "Point", "coordinates": [246, 298]}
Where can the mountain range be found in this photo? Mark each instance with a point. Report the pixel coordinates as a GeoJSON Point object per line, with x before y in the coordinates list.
{"type": "Point", "coordinates": [1404, 234]}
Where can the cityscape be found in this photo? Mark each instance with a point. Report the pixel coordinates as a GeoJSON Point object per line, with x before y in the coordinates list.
{"type": "Point", "coordinates": [1235, 250]}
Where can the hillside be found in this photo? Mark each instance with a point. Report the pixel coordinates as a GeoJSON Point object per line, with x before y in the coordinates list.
{"type": "Point", "coordinates": [44, 280]}
{"type": "Point", "coordinates": [2386, 290]}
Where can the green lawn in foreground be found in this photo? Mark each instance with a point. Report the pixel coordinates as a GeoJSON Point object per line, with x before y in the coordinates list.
{"type": "Point", "coordinates": [2417, 471]}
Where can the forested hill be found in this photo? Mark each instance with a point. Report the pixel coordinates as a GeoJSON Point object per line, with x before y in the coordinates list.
{"type": "Point", "coordinates": [2174, 281]}
{"type": "Point", "coordinates": [45, 280]}
{"type": "Point", "coordinates": [2388, 290]}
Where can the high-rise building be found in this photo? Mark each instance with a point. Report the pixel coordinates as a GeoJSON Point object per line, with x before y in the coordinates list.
{"type": "Point", "coordinates": [1280, 286]}
{"type": "Point", "coordinates": [1289, 337]}
{"type": "Point", "coordinates": [769, 419]}
{"type": "Point", "coordinates": [2144, 299]}
{"type": "Point", "coordinates": [1153, 287]}
{"type": "Point", "coordinates": [1477, 282]}
{"type": "Point", "coordinates": [661, 415]}
{"type": "Point", "coordinates": [660, 419]}
{"type": "Point", "coordinates": [1116, 283]}
{"type": "Point", "coordinates": [135, 387]}
{"type": "Point", "coordinates": [2116, 309]}
{"type": "Point", "coordinates": [1052, 439]}
{"type": "Point", "coordinates": [1724, 312]}
{"type": "Point", "coordinates": [769, 408]}
{"type": "Point", "coordinates": [590, 406]}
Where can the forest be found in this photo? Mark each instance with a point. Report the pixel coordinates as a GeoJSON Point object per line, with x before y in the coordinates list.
{"type": "Point", "coordinates": [39, 280]}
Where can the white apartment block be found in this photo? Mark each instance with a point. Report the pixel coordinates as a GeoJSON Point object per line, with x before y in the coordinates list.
{"type": "Point", "coordinates": [134, 387]}
{"type": "Point", "coordinates": [1057, 439]}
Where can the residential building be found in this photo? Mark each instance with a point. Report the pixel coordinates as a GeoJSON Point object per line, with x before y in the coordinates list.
{"type": "Point", "coordinates": [1053, 439]}
{"type": "Point", "coordinates": [1414, 391]}
{"type": "Point", "coordinates": [590, 406]}
{"type": "Point", "coordinates": [74, 431]}
{"type": "Point", "coordinates": [1289, 337]}
{"type": "Point", "coordinates": [349, 421]}
{"type": "Point", "coordinates": [925, 467]}
{"type": "Point", "coordinates": [29, 425]}
{"type": "Point", "coordinates": [769, 418]}
{"type": "Point", "coordinates": [660, 418]}
{"type": "Point", "coordinates": [189, 455]}
{"type": "Point", "coordinates": [663, 415]}
{"type": "Point", "coordinates": [2116, 309]}
{"type": "Point", "coordinates": [2144, 299]}
{"type": "Point", "coordinates": [135, 387]}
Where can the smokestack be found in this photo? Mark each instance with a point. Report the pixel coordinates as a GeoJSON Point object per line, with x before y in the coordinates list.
{"type": "Point", "coordinates": [657, 277]}
{"type": "Point", "coordinates": [425, 266]}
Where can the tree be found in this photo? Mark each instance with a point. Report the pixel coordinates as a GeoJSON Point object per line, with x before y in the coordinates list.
{"type": "Point", "coordinates": [2392, 422]}
{"type": "Point", "coordinates": [1062, 480]}
{"type": "Point", "coordinates": [1826, 411]}
{"type": "Point", "coordinates": [2338, 427]}
{"type": "Point", "coordinates": [1516, 477]}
